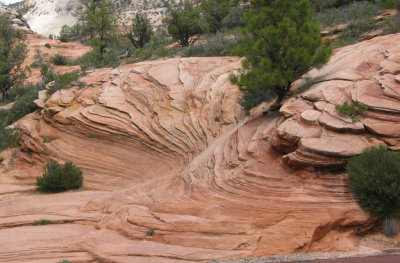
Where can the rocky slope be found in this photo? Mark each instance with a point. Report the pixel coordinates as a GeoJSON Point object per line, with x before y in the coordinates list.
{"type": "Point", "coordinates": [175, 171]}
{"type": "Point", "coordinates": [47, 17]}
{"type": "Point", "coordinates": [36, 45]}
{"type": "Point", "coordinates": [18, 23]}
{"type": "Point", "coordinates": [313, 133]}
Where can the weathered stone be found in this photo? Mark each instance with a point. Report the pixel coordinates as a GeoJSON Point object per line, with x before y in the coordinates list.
{"type": "Point", "coordinates": [180, 172]}
{"type": "Point", "coordinates": [293, 130]}
{"type": "Point", "coordinates": [336, 124]}
{"type": "Point", "coordinates": [295, 106]}
{"type": "Point", "coordinates": [311, 117]}
{"type": "Point", "coordinates": [391, 87]}
{"type": "Point", "coordinates": [370, 93]}
{"type": "Point", "coordinates": [335, 145]}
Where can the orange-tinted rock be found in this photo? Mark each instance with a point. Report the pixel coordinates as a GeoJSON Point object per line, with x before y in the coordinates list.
{"type": "Point", "coordinates": [175, 170]}
{"type": "Point", "coordinates": [178, 172]}
{"type": "Point", "coordinates": [366, 72]}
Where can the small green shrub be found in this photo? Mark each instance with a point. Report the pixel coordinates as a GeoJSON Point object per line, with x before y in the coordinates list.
{"type": "Point", "coordinates": [47, 45]}
{"type": "Point", "coordinates": [375, 181]}
{"type": "Point", "coordinates": [49, 140]}
{"type": "Point", "coordinates": [217, 45]}
{"type": "Point", "coordinates": [389, 4]}
{"type": "Point", "coordinates": [92, 135]}
{"type": "Point", "coordinates": [62, 81]}
{"type": "Point", "coordinates": [353, 110]}
{"type": "Point", "coordinates": [150, 232]}
{"type": "Point", "coordinates": [248, 100]}
{"type": "Point", "coordinates": [59, 178]}
{"type": "Point", "coordinates": [152, 50]}
{"type": "Point", "coordinates": [41, 223]}
{"type": "Point", "coordinates": [64, 261]}
{"type": "Point", "coordinates": [393, 25]}
{"type": "Point", "coordinates": [355, 11]}
{"type": "Point", "coordinates": [9, 138]}
{"type": "Point", "coordinates": [23, 104]}
{"type": "Point", "coordinates": [93, 59]}
{"type": "Point", "coordinates": [352, 33]}
{"type": "Point", "coordinates": [1, 159]}
{"type": "Point", "coordinates": [59, 60]}
{"type": "Point", "coordinates": [47, 73]}
{"type": "Point", "coordinates": [37, 64]}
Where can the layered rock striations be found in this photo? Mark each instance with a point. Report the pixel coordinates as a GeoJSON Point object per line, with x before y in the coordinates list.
{"type": "Point", "coordinates": [175, 171]}
{"type": "Point", "coordinates": [313, 133]}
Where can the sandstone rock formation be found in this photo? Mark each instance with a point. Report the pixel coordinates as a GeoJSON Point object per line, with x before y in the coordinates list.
{"type": "Point", "coordinates": [16, 22]}
{"type": "Point", "coordinates": [174, 171]}
{"type": "Point", "coordinates": [313, 133]}
{"type": "Point", "coordinates": [47, 17]}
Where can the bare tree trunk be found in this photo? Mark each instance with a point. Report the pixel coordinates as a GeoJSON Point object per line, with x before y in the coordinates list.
{"type": "Point", "coordinates": [390, 227]}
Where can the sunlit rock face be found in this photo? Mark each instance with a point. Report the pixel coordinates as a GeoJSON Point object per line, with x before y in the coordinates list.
{"type": "Point", "coordinates": [47, 17]}
{"type": "Point", "coordinates": [175, 171]}
{"type": "Point", "coordinates": [313, 133]}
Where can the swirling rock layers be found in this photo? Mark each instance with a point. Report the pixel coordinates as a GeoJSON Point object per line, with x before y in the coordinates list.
{"type": "Point", "coordinates": [174, 171]}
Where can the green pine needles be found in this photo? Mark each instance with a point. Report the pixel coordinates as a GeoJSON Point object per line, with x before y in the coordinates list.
{"type": "Point", "coordinates": [59, 178]}
{"type": "Point", "coordinates": [374, 179]}
{"type": "Point", "coordinates": [282, 43]}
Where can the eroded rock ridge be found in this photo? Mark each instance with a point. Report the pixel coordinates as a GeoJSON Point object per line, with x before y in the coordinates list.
{"type": "Point", "coordinates": [175, 171]}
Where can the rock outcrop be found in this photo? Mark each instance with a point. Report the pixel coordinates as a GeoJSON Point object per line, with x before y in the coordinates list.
{"type": "Point", "coordinates": [313, 133]}
{"type": "Point", "coordinates": [47, 17]}
{"type": "Point", "coordinates": [174, 171]}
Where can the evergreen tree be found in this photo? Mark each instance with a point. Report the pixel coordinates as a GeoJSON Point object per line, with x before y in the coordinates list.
{"type": "Point", "coordinates": [141, 31]}
{"type": "Point", "coordinates": [183, 23]}
{"type": "Point", "coordinates": [282, 43]}
{"type": "Point", "coordinates": [12, 55]}
{"type": "Point", "coordinates": [98, 20]}
{"type": "Point", "coordinates": [214, 13]}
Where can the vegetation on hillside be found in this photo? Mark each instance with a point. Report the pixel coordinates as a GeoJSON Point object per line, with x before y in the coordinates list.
{"type": "Point", "coordinates": [97, 19]}
{"type": "Point", "coordinates": [12, 55]}
{"type": "Point", "coordinates": [23, 98]}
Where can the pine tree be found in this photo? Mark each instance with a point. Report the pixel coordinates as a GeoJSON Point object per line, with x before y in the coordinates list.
{"type": "Point", "coordinates": [98, 20]}
{"type": "Point", "coordinates": [141, 31]}
{"type": "Point", "coordinates": [12, 56]}
{"type": "Point", "coordinates": [282, 43]}
{"type": "Point", "coordinates": [183, 23]}
{"type": "Point", "coordinates": [215, 11]}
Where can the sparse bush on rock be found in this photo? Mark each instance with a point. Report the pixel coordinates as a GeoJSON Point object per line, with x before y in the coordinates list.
{"type": "Point", "coordinates": [59, 178]}
{"type": "Point", "coordinates": [353, 110]}
{"type": "Point", "coordinates": [59, 60]}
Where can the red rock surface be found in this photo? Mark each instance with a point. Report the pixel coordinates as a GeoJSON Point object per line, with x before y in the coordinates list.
{"type": "Point", "coordinates": [365, 72]}
{"type": "Point", "coordinates": [34, 42]}
{"type": "Point", "coordinates": [174, 170]}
